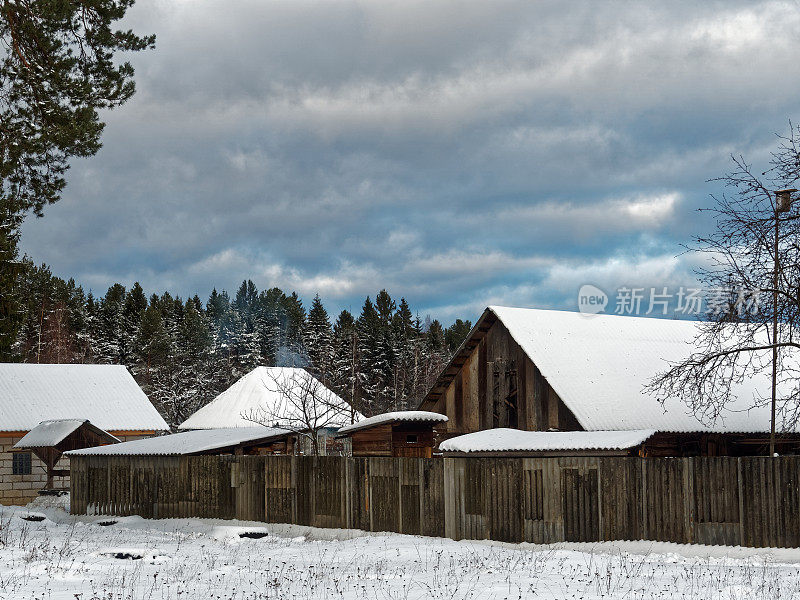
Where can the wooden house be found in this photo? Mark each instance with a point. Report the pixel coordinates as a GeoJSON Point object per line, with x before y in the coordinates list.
{"type": "Point", "coordinates": [105, 395]}
{"type": "Point", "coordinates": [402, 433]}
{"type": "Point", "coordinates": [546, 370]}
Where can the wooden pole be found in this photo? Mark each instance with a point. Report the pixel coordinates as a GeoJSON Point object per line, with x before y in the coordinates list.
{"type": "Point", "coordinates": [783, 203]}
{"type": "Point", "coordinates": [774, 335]}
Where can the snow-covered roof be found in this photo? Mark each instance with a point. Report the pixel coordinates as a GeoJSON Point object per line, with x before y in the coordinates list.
{"type": "Point", "coordinates": [420, 416]}
{"type": "Point", "coordinates": [275, 396]}
{"type": "Point", "coordinates": [599, 364]}
{"type": "Point", "coordinates": [515, 440]}
{"type": "Point", "coordinates": [106, 395]}
{"type": "Point", "coordinates": [186, 442]}
{"type": "Point", "coordinates": [52, 433]}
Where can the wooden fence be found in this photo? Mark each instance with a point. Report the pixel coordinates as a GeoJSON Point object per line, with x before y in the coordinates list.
{"type": "Point", "coordinates": [748, 501]}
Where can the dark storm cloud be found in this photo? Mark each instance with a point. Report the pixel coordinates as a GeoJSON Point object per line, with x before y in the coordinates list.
{"type": "Point", "coordinates": [457, 153]}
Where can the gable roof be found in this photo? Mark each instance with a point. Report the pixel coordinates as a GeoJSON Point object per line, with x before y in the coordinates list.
{"type": "Point", "coordinates": [51, 433]}
{"type": "Point", "coordinates": [259, 393]}
{"type": "Point", "coordinates": [515, 440]}
{"type": "Point", "coordinates": [187, 442]}
{"type": "Point", "coordinates": [599, 364]}
{"type": "Point", "coordinates": [106, 395]}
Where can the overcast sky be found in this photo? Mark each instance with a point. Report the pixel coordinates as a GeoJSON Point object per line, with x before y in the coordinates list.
{"type": "Point", "coordinates": [455, 153]}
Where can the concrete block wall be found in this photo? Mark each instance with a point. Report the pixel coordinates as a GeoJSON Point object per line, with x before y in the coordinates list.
{"type": "Point", "coordinates": [22, 489]}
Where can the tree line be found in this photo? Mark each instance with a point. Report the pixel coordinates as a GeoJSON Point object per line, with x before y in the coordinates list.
{"type": "Point", "coordinates": [185, 352]}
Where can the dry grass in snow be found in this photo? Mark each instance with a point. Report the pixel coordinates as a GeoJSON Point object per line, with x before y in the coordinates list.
{"type": "Point", "coordinates": [67, 558]}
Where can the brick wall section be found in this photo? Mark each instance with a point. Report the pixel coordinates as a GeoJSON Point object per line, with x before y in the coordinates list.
{"type": "Point", "coordinates": [21, 489]}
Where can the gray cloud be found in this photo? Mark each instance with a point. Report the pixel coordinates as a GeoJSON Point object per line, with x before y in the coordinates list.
{"type": "Point", "coordinates": [457, 153]}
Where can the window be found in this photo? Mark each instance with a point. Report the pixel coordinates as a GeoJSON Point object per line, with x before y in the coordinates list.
{"type": "Point", "coordinates": [21, 464]}
{"type": "Point", "coordinates": [411, 439]}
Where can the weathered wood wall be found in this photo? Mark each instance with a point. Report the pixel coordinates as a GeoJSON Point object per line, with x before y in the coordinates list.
{"type": "Point", "coordinates": [749, 501]}
{"type": "Point", "coordinates": [489, 374]}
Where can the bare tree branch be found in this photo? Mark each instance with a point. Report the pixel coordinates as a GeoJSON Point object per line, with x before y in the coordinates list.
{"type": "Point", "coordinates": [306, 406]}
{"type": "Point", "coordinates": [735, 345]}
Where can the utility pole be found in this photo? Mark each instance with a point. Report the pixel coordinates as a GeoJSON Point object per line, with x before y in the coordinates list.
{"type": "Point", "coordinates": [783, 203]}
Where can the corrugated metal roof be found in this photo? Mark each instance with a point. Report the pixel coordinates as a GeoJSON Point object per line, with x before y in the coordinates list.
{"type": "Point", "coordinates": [515, 440]}
{"type": "Point", "coordinates": [421, 416]}
{"type": "Point", "coordinates": [599, 365]}
{"type": "Point", "coordinates": [260, 394]}
{"type": "Point", "coordinates": [106, 395]}
{"type": "Point", "coordinates": [52, 433]}
{"type": "Point", "coordinates": [186, 442]}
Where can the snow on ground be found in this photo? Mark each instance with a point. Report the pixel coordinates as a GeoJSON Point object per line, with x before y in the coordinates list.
{"type": "Point", "coordinates": [69, 558]}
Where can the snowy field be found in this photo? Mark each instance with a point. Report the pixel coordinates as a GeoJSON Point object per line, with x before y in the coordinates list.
{"type": "Point", "coordinates": [64, 558]}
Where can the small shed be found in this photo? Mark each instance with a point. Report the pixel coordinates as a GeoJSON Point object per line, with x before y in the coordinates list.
{"type": "Point", "coordinates": [504, 442]}
{"type": "Point", "coordinates": [50, 439]}
{"type": "Point", "coordinates": [402, 433]}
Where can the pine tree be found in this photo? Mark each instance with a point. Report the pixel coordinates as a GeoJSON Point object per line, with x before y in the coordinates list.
{"type": "Point", "coordinates": [292, 353]}
{"type": "Point", "coordinates": [195, 376]}
{"type": "Point", "coordinates": [436, 352]}
{"type": "Point", "coordinates": [271, 315]}
{"type": "Point", "coordinates": [404, 350]}
{"type": "Point", "coordinates": [346, 360]}
{"type": "Point", "coordinates": [317, 340]}
{"type": "Point", "coordinates": [58, 73]}
{"type": "Point", "coordinates": [112, 339]}
{"type": "Point", "coordinates": [152, 341]}
{"type": "Point", "coordinates": [370, 384]}
{"type": "Point", "coordinates": [456, 334]}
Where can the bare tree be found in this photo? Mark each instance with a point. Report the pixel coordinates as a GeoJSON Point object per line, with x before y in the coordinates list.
{"type": "Point", "coordinates": [305, 407]}
{"type": "Point", "coordinates": [751, 260]}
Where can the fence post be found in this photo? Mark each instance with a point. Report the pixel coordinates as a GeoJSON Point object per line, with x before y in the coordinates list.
{"type": "Point", "coordinates": [600, 532]}
{"type": "Point", "coordinates": [643, 497]}
{"type": "Point", "coordinates": [347, 492]}
{"type": "Point", "coordinates": [449, 500]}
{"type": "Point", "coordinates": [293, 485]}
{"type": "Point", "coordinates": [369, 494]}
{"type": "Point", "coordinates": [741, 499]}
{"type": "Point", "coordinates": [688, 498]}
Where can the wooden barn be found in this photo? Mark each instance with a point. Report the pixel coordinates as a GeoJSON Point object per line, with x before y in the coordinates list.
{"type": "Point", "coordinates": [105, 395]}
{"type": "Point", "coordinates": [411, 433]}
{"type": "Point", "coordinates": [546, 370]}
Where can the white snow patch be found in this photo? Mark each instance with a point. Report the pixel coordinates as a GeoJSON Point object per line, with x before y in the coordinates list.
{"type": "Point", "coordinates": [70, 557]}
{"type": "Point", "coordinates": [51, 433]}
{"type": "Point", "coordinates": [260, 394]}
{"type": "Point", "coordinates": [421, 416]}
{"type": "Point", "coordinates": [506, 440]}
{"type": "Point", "coordinates": [186, 442]}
